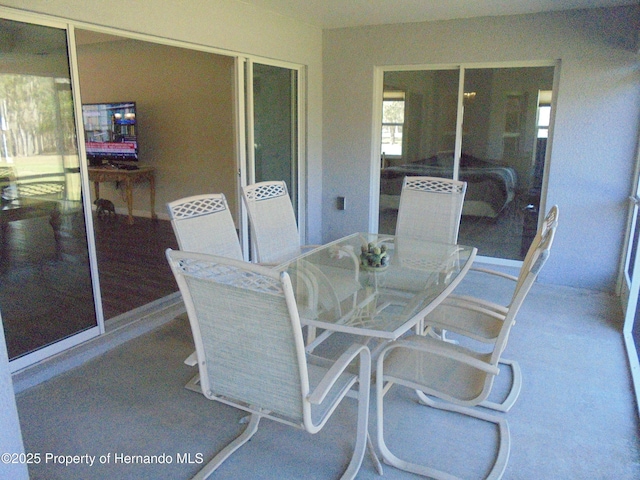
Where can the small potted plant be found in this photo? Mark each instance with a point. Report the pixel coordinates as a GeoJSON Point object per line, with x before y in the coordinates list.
{"type": "Point", "coordinates": [374, 257]}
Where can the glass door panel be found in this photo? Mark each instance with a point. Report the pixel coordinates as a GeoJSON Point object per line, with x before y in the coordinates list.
{"type": "Point", "coordinates": [502, 157]}
{"type": "Point", "coordinates": [46, 290]}
{"type": "Point", "coordinates": [420, 108]}
{"type": "Point", "coordinates": [275, 126]}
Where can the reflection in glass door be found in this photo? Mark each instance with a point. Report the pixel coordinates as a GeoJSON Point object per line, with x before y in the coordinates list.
{"type": "Point", "coordinates": [484, 126]}
{"type": "Point", "coordinates": [46, 291]}
{"type": "Point", "coordinates": [422, 108]}
{"type": "Point", "coordinates": [502, 158]}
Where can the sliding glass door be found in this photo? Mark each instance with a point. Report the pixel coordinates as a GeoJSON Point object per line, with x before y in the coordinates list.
{"type": "Point", "coordinates": [502, 159]}
{"type": "Point", "coordinates": [46, 289]}
{"type": "Point", "coordinates": [273, 113]}
{"type": "Point", "coordinates": [485, 126]}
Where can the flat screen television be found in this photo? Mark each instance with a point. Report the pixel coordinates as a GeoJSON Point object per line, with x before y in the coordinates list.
{"type": "Point", "coordinates": [111, 132]}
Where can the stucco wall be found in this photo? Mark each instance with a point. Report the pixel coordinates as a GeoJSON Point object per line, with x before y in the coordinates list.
{"type": "Point", "coordinates": [596, 128]}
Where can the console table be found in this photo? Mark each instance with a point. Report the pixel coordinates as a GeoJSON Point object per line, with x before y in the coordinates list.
{"type": "Point", "coordinates": [24, 208]}
{"type": "Point", "coordinates": [129, 178]}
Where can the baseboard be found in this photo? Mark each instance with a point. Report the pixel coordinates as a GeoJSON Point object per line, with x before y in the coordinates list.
{"type": "Point", "coordinates": [118, 330]}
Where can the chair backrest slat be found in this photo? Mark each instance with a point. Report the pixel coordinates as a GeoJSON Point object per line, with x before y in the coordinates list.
{"type": "Point", "coordinates": [430, 209]}
{"type": "Point", "coordinates": [248, 340]}
{"type": "Point", "coordinates": [531, 267]}
{"type": "Point", "coordinates": [542, 241]}
{"type": "Point", "coordinates": [273, 222]}
{"type": "Point", "coordinates": [203, 224]}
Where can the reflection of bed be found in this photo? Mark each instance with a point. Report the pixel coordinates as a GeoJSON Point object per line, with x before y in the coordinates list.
{"type": "Point", "coordinates": [490, 188]}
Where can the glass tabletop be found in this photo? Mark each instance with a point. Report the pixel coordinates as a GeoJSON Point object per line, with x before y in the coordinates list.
{"type": "Point", "coordinates": [375, 285]}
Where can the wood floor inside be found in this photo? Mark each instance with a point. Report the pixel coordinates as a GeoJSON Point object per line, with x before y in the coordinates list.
{"type": "Point", "coordinates": [132, 265]}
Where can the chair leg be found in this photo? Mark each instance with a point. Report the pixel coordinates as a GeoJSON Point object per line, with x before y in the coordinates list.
{"type": "Point", "coordinates": [514, 391]}
{"type": "Point", "coordinates": [362, 430]}
{"type": "Point", "coordinates": [504, 442]}
{"type": "Point", "coordinates": [194, 384]}
{"type": "Point", "coordinates": [244, 437]}
{"type": "Point", "coordinates": [374, 456]}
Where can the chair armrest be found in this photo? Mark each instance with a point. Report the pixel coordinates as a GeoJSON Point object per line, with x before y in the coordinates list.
{"type": "Point", "coordinates": [338, 367]}
{"type": "Point", "coordinates": [473, 303]}
{"type": "Point", "coordinates": [494, 272]}
{"type": "Point", "coordinates": [440, 348]}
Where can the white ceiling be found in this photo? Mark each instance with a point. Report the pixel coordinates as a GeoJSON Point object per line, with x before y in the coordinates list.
{"type": "Point", "coordinates": [353, 13]}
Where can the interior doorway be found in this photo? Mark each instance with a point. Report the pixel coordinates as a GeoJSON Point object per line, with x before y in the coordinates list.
{"type": "Point", "coordinates": [185, 111]}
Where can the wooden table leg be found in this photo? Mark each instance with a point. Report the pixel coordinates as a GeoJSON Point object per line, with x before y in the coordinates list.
{"type": "Point", "coordinates": [129, 192]}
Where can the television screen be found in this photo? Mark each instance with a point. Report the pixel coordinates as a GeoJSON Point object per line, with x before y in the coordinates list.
{"type": "Point", "coordinates": [110, 132]}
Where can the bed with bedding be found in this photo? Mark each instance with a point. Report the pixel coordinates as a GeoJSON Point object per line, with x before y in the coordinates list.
{"type": "Point", "coordinates": [490, 187]}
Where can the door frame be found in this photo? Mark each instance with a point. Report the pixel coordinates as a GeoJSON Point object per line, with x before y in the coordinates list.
{"type": "Point", "coordinates": [66, 343]}
{"type": "Point", "coordinates": [628, 287]}
{"type": "Point", "coordinates": [376, 135]}
{"type": "Point", "coordinates": [241, 178]}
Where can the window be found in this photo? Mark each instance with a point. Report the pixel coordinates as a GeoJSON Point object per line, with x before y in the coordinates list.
{"type": "Point", "coordinates": [544, 113]}
{"type": "Point", "coordinates": [392, 123]}
{"type": "Point", "coordinates": [544, 117]}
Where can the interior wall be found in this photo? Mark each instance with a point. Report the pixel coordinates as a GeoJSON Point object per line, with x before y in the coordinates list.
{"type": "Point", "coordinates": [185, 112]}
{"type": "Point", "coordinates": [592, 151]}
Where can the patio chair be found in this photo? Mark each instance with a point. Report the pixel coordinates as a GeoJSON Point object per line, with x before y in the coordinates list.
{"type": "Point", "coordinates": [430, 209]}
{"type": "Point", "coordinates": [247, 333]}
{"type": "Point", "coordinates": [459, 377]}
{"type": "Point", "coordinates": [483, 320]}
{"type": "Point", "coordinates": [274, 232]}
{"type": "Point", "coordinates": [274, 229]}
{"type": "Point", "coordinates": [203, 224]}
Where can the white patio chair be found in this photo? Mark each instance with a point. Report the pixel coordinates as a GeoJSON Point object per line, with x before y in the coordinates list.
{"type": "Point", "coordinates": [275, 235]}
{"type": "Point", "coordinates": [251, 354]}
{"type": "Point", "coordinates": [274, 229]}
{"type": "Point", "coordinates": [203, 224]}
{"type": "Point", "coordinates": [483, 320]}
{"type": "Point", "coordinates": [430, 209]}
{"type": "Point", "coordinates": [461, 378]}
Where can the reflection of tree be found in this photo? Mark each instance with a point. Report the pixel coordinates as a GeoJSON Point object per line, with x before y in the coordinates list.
{"type": "Point", "coordinates": [392, 120]}
{"type": "Point", "coordinates": [393, 111]}
{"type": "Point", "coordinates": [30, 106]}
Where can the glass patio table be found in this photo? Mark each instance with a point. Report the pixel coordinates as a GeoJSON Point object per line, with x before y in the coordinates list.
{"type": "Point", "coordinates": [374, 285]}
